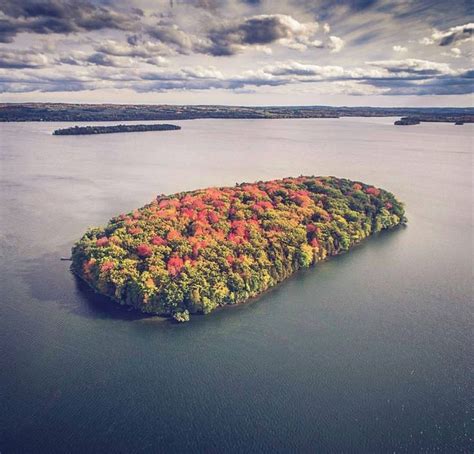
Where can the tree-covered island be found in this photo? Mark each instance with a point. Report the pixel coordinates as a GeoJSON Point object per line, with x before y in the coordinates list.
{"type": "Point", "coordinates": [86, 130]}
{"type": "Point", "coordinates": [194, 251]}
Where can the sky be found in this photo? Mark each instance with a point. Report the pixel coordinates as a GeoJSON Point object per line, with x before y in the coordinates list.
{"type": "Point", "coordinates": [239, 52]}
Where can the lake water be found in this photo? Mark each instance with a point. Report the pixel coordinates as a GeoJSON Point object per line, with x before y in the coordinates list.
{"type": "Point", "coordinates": [367, 352]}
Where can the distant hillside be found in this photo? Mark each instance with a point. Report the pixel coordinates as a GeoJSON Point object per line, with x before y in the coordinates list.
{"type": "Point", "coordinates": [140, 112]}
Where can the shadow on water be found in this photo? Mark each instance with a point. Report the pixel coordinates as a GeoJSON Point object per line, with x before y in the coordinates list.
{"type": "Point", "coordinates": [50, 280]}
{"type": "Point", "coordinates": [99, 306]}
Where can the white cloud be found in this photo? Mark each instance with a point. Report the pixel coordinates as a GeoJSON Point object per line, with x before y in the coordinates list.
{"type": "Point", "coordinates": [456, 51]}
{"type": "Point", "coordinates": [398, 48]}
{"type": "Point", "coordinates": [335, 44]}
{"type": "Point", "coordinates": [426, 41]}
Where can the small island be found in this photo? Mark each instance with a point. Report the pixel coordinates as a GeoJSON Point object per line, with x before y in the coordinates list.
{"type": "Point", "coordinates": [86, 130]}
{"type": "Point", "coordinates": [407, 121]}
{"type": "Point", "coordinates": [192, 252]}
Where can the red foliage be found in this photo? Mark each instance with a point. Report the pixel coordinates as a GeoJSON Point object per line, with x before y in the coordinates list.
{"type": "Point", "coordinates": [373, 191]}
{"type": "Point", "coordinates": [213, 217]}
{"type": "Point", "coordinates": [198, 204]}
{"type": "Point", "coordinates": [357, 187]}
{"type": "Point", "coordinates": [106, 266]}
{"type": "Point", "coordinates": [135, 230]}
{"type": "Point", "coordinates": [144, 250]}
{"type": "Point", "coordinates": [198, 229]}
{"type": "Point", "coordinates": [169, 203]}
{"type": "Point", "coordinates": [202, 216]}
{"type": "Point", "coordinates": [102, 242]}
{"type": "Point", "coordinates": [173, 235]}
{"type": "Point", "coordinates": [238, 227]}
{"type": "Point", "coordinates": [87, 268]}
{"type": "Point", "coordinates": [235, 238]}
{"type": "Point", "coordinates": [198, 245]}
{"type": "Point", "coordinates": [218, 234]}
{"type": "Point", "coordinates": [158, 241]}
{"type": "Point", "coordinates": [218, 204]}
{"type": "Point", "coordinates": [189, 213]}
{"type": "Point", "coordinates": [174, 265]}
{"type": "Point", "coordinates": [301, 198]}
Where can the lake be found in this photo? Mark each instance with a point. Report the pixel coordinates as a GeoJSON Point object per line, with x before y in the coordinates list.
{"type": "Point", "coordinates": [368, 352]}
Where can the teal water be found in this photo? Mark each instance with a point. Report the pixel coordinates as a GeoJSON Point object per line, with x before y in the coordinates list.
{"type": "Point", "coordinates": [368, 352]}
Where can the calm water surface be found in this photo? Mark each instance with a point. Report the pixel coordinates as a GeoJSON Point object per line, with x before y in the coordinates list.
{"type": "Point", "coordinates": [368, 352]}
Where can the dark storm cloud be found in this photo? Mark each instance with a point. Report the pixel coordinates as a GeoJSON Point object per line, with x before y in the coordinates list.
{"type": "Point", "coordinates": [259, 30]}
{"type": "Point", "coordinates": [228, 38]}
{"type": "Point", "coordinates": [59, 16]}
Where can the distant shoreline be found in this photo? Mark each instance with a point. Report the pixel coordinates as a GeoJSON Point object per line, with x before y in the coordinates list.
{"type": "Point", "coordinates": [57, 112]}
{"type": "Point", "coordinates": [91, 130]}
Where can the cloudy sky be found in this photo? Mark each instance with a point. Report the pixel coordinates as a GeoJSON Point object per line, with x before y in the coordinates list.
{"type": "Point", "coordinates": [334, 52]}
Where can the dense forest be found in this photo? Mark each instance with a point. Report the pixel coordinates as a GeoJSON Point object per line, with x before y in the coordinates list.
{"type": "Point", "coordinates": [194, 251]}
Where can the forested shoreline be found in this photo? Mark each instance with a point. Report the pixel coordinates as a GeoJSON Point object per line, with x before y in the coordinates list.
{"type": "Point", "coordinates": [162, 112]}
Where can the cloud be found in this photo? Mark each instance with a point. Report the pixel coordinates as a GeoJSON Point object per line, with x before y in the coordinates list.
{"type": "Point", "coordinates": [234, 36]}
{"type": "Point", "coordinates": [101, 59]}
{"type": "Point", "coordinates": [22, 59]}
{"type": "Point", "coordinates": [80, 58]}
{"type": "Point", "coordinates": [172, 36]}
{"type": "Point", "coordinates": [413, 66]}
{"type": "Point", "coordinates": [226, 37]}
{"type": "Point", "coordinates": [132, 48]}
{"type": "Point", "coordinates": [146, 45]}
{"type": "Point", "coordinates": [58, 16]}
{"type": "Point", "coordinates": [457, 34]}
{"type": "Point", "coordinates": [455, 52]}
{"type": "Point", "coordinates": [294, 68]}
{"type": "Point", "coordinates": [398, 48]}
{"type": "Point", "coordinates": [426, 41]}
{"type": "Point", "coordinates": [335, 44]}
{"type": "Point", "coordinates": [460, 84]}
{"type": "Point", "coordinates": [391, 77]}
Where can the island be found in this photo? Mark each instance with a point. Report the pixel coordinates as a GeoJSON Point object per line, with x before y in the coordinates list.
{"type": "Point", "coordinates": [192, 252]}
{"type": "Point", "coordinates": [407, 121]}
{"type": "Point", "coordinates": [85, 130]}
